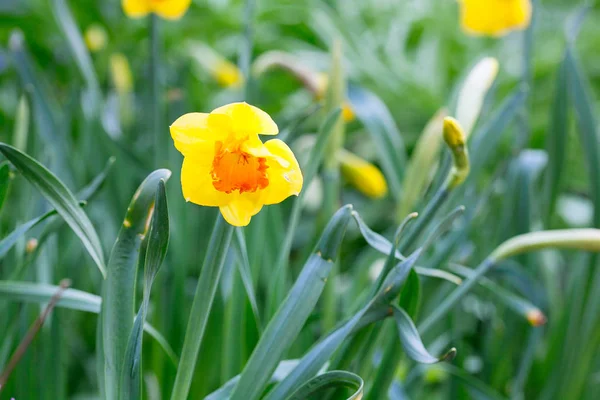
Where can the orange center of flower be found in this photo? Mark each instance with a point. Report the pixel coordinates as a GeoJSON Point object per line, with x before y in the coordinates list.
{"type": "Point", "coordinates": [234, 169]}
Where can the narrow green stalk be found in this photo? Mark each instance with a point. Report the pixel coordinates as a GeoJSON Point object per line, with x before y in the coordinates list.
{"type": "Point", "coordinates": [203, 300]}
{"type": "Point", "coordinates": [155, 94]}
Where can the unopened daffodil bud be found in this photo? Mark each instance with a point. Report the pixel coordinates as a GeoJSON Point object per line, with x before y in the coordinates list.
{"type": "Point", "coordinates": [220, 69]}
{"type": "Point", "coordinates": [95, 38]}
{"type": "Point", "coordinates": [167, 9]}
{"type": "Point", "coordinates": [456, 141]}
{"type": "Point", "coordinates": [361, 174]}
{"type": "Point", "coordinates": [494, 17]}
{"type": "Point", "coordinates": [121, 73]}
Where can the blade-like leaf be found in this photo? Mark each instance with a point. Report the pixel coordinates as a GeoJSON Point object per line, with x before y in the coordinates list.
{"type": "Point", "coordinates": [373, 113]}
{"type": "Point", "coordinates": [156, 250]}
{"type": "Point", "coordinates": [61, 199]}
{"type": "Point", "coordinates": [318, 386]}
{"type": "Point", "coordinates": [119, 289]}
{"type": "Point", "coordinates": [294, 311]}
{"type": "Point", "coordinates": [374, 239]}
{"type": "Point", "coordinates": [246, 274]}
{"type": "Point", "coordinates": [4, 182]}
{"type": "Point", "coordinates": [71, 299]}
{"type": "Point", "coordinates": [411, 341]}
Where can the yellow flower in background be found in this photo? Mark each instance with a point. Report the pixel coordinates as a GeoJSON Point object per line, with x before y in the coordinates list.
{"type": "Point", "coordinates": [363, 175]}
{"type": "Point", "coordinates": [494, 17]}
{"type": "Point", "coordinates": [168, 9]}
{"type": "Point", "coordinates": [121, 73]}
{"type": "Point", "coordinates": [322, 81]}
{"type": "Point", "coordinates": [226, 165]}
{"type": "Point", "coordinates": [227, 74]}
{"type": "Point", "coordinates": [208, 60]}
{"type": "Point", "coordinates": [95, 38]}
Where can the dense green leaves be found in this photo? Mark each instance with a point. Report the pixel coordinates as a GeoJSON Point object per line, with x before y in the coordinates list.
{"type": "Point", "coordinates": [293, 312]}
{"type": "Point", "coordinates": [61, 199]}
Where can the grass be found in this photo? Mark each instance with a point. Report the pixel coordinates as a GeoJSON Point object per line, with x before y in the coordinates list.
{"type": "Point", "coordinates": [330, 295]}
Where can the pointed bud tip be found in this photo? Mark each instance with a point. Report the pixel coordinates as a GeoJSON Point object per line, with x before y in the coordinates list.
{"type": "Point", "coordinates": [454, 135]}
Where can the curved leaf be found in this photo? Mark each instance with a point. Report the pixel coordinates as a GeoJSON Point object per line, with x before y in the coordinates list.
{"type": "Point", "coordinates": [9, 241]}
{"type": "Point", "coordinates": [4, 182]}
{"type": "Point", "coordinates": [411, 341]}
{"type": "Point", "coordinates": [61, 199]}
{"type": "Point", "coordinates": [333, 379]}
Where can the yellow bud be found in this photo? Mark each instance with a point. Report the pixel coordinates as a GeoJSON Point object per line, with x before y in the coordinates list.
{"type": "Point", "coordinates": [95, 38]}
{"type": "Point", "coordinates": [361, 174]}
{"type": "Point", "coordinates": [347, 112]}
{"type": "Point", "coordinates": [227, 74]}
{"type": "Point", "coordinates": [31, 245]}
{"type": "Point", "coordinates": [456, 141]}
{"type": "Point", "coordinates": [536, 317]}
{"type": "Point", "coordinates": [121, 73]}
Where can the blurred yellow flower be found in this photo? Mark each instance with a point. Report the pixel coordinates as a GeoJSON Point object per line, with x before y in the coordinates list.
{"type": "Point", "coordinates": [95, 38]}
{"type": "Point", "coordinates": [227, 74]}
{"type": "Point", "coordinates": [321, 83]}
{"type": "Point", "coordinates": [363, 175]}
{"type": "Point", "coordinates": [494, 17]}
{"type": "Point", "coordinates": [121, 73]}
{"type": "Point", "coordinates": [168, 9]}
{"type": "Point", "coordinates": [226, 165]}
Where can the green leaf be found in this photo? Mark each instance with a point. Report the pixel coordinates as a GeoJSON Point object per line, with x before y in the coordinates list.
{"type": "Point", "coordinates": [156, 250]}
{"type": "Point", "coordinates": [318, 386]}
{"type": "Point", "coordinates": [314, 360]}
{"type": "Point", "coordinates": [246, 274]}
{"type": "Point", "coordinates": [376, 117]}
{"type": "Point", "coordinates": [483, 391]}
{"type": "Point", "coordinates": [275, 291]}
{"type": "Point", "coordinates": [584, 110]}
{"type": "Point", "coordinates": [556, 141]}
{"type": "Point", "coordinates": [411, 341]}
{"type": "Point", "coordinates": [71, 299]}
{"type": "Point", "coordinates": [61, 199]}
{"type": "Point", "coordinates": [410, 297]}
{"type": "Point", "coordinates": [9, 241]}
{"type": "Point", "coordinates": [66, 23]}
{"type": "Point", "coordinates": [294, 311]}
{"type": "Point", "coordinates": [374, 239]}
{"type": "Point", "coordinates": [4, 182]}
{"type": "Point", "coordinates": [119, 286]}
{"type": "Point", "coordinates": [203, 300]}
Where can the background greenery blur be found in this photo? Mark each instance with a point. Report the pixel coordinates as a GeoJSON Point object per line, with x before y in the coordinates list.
{"type": "Point", "coordinates": [413, 56]}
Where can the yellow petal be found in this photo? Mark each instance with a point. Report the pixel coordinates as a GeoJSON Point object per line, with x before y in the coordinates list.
{"type": "Point", "coordinates": [285, 178]}
{"type": "Point", "coordinates": [248, 120]}
{"type": "Point", "coordinates": [136, 8]}
{"type": "Point", "coordinates": [494, 17]}
{"type": "Point", "coordinates": [241, 209]}
{"type": "Point", "coordinates": [170, 9]}
{"type": "Point", "coordinates": [191, 133]}
{"type": "Point", "coordinates": [197, 182]}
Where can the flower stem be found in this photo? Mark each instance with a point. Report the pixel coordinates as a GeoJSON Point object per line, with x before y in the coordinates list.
{"type": "Point", "coordinates": [155, 95]}
{"type": "Point", "coordinates": [203, 300]}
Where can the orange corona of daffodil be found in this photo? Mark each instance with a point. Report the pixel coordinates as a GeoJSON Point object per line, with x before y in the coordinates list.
{"type": "Point", "coordinates": [226, 165]}
{"type": "Point", "coordinates": [168, 9]}
{"type": "Point", "coordinates": [494, 17]}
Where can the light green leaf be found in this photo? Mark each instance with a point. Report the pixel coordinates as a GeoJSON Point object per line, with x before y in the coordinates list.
{"type": "Point", "coordinates": [5, 179]}
{"type": "Point", "coordinates": [61, 199]}
{"type": "Point", "coordinates": [119, 287]}
{"type": "Point", "coordinates": [318, 386]}
{"type": "Point", "coordinates": [411, 341]}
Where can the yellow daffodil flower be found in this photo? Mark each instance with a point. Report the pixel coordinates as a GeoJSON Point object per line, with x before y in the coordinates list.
{"type": "Point", "coordinates": [121, 73]}
{"type": "Point", "coordinates": [95, 38]}
{"type": "Point", "coordinates": [222, 70]}
{"type": "Point", "coordinates": [167, 9]}
{"type": "Point", "coordinates": [226, 165]}
{"type": "Point", "coordinates": [494, 17]}
{"type": "Point", "coordinates": [363, 175]}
